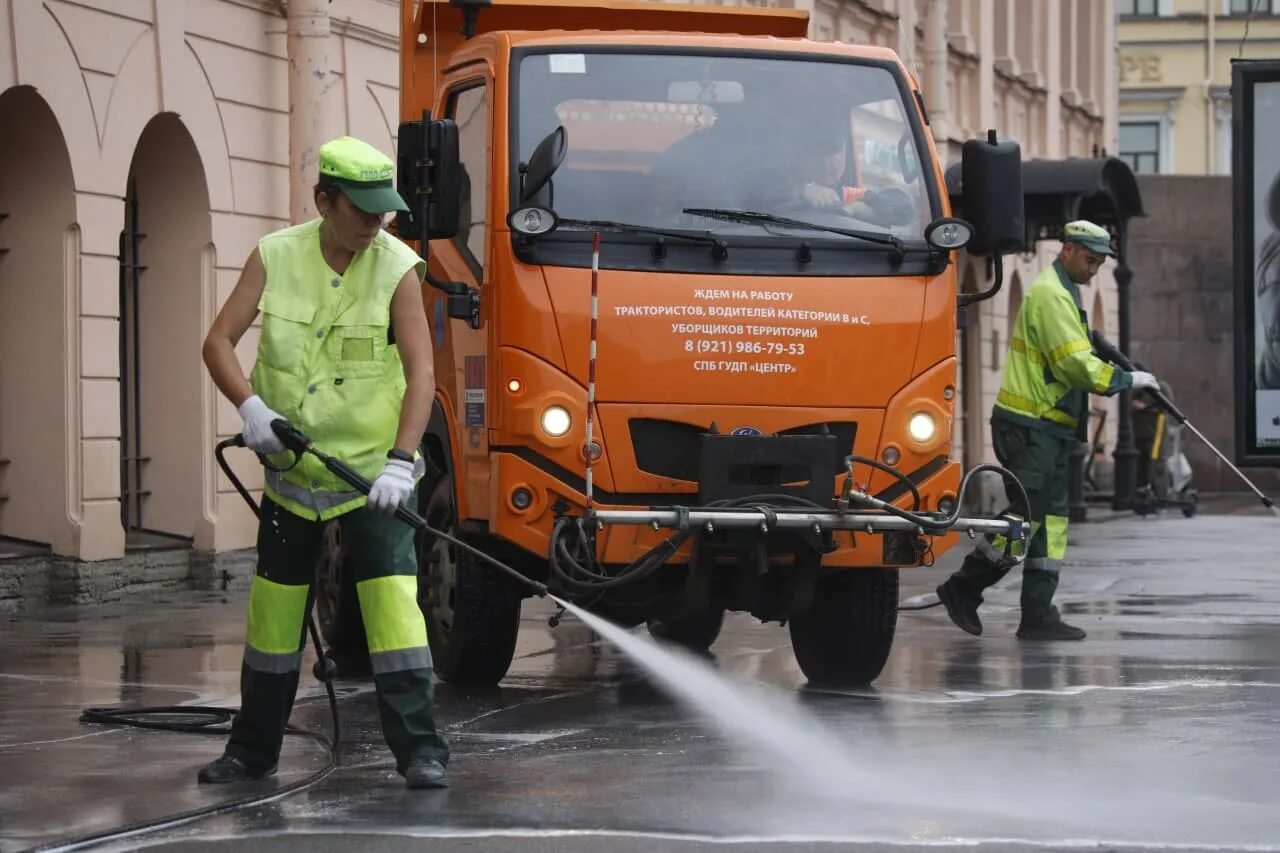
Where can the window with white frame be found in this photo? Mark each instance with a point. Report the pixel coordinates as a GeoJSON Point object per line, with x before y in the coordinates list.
{"type": "Point", "coordinates": [1258, 7]}
{"type": "Point", "coordinates": [1140, 146]}
{"type": "Point", "coordinates": [1140, 8]}
{"type": "Point", "coordinates": [1147, 8]}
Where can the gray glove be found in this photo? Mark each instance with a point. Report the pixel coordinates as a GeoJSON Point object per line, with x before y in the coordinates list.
{"type": "Point", "coordinates": [1143, 381]}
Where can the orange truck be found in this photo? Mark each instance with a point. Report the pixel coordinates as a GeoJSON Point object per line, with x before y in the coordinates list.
{"type": "Point", "coordinates": [694, 316]}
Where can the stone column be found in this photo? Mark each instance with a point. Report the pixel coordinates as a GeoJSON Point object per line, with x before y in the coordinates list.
{"type": "Point", "coordinates": [308, 48]}
{"type": "Point", "coordinates": [935, 69]}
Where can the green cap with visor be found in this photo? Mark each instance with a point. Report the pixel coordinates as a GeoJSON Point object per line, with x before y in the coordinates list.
{"type": "Point", "coordinates": [1095, 238]}
{"type": "Point", "coordinates": [362, 172]}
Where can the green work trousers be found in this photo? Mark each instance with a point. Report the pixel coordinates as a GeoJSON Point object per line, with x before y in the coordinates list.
{"type": "Point", "coordinates": [379, 552]}
{"type": "Point", "coordinates": [1038, 459]}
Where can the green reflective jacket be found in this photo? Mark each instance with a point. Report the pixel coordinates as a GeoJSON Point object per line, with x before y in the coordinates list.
{"type": "Point", "coordinates": [1050, 368]}
{"type": "Point", "coordinates": [327, 363]}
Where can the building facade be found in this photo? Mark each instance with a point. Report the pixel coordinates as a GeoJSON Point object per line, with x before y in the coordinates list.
{"type": "Point", "coordinates": [1175, 79]}
{"type": "Point", "coordinates": [149, 143]}
{"type": "Point", "coordinates": [146, 147]}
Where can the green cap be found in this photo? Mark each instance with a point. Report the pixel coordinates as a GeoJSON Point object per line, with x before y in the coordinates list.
{"type": "Point", "coordinates": [362, 172]}
{"type": "Point", "coordinates": [1095, 238]}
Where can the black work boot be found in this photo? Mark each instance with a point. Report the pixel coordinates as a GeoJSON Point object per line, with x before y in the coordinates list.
{"type": "Point", "coordinates": [1047, 627]}
{"type": "Point", "coordinates": [962, 592]}
{"type": "Point", "coordinates": [961, 603]}
{"type": "Point", "coordinates": [1040, 619]}
{"type": "Point", "coordinates": [228, 769]}
{"type": "Point", "coordinates": [425, 773]}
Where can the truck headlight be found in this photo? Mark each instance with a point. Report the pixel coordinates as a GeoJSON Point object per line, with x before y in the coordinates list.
{"type": "Point", "coordinates": [921, 427]}
{"type": "Point", "coordinates": [556, 421]}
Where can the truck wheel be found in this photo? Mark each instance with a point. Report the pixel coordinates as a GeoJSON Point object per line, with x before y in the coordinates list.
{"type": "Point", "coordinates": [844, 640]}
{"type": "Point", "coordinates": [695, 632]}
{"type": "Point", "coordinates": [472, 611]}
{"type": "Point", "coordinates": [338, 609]}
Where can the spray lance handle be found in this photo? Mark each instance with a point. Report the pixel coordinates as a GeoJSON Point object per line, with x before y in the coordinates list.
{"type": "Point", "coordinates": [1108, 351]}
{"type": "Point", "coordinates": [297, 441]}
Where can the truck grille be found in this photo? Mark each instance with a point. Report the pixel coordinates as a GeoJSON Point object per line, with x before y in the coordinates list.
{"type": "Point", "coordinates": [670, 448]}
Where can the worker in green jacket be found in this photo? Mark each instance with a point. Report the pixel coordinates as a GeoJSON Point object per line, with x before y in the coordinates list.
{"type": "Point", "coordinates": [1050, 370]}
{"type": "Point", "coordinates": [344, 355]}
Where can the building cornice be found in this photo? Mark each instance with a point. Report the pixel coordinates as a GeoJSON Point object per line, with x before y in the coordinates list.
{"type": "Point", "coordinates": [1166, 94]}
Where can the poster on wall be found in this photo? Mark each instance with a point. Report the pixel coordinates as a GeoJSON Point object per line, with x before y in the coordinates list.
{"type": "Point", "coordinates": [1255, 96]}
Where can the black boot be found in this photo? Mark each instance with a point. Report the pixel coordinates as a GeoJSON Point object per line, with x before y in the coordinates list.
{"type": "Point", "coordinates": [1048, 627]}
{"type": "Point", "coordinates": [961, 593]}
{"type": "Point", "coordinates": [1040, 619]}
{"type": "Point", "coordinates": [961, 603]}
{"type": "Point", "coordinates": [425, 773]}
{"type": "Point", "coordinates": [227, 769]}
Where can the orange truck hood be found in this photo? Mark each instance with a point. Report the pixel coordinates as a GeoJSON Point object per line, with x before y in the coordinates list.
{"type": "Point", "coordinates": [741, 340]}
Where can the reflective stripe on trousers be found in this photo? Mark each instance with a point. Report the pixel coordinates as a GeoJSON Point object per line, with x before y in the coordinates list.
{"type": "Point", "coordinates": [273, 638]}
{"type": "Point", "coordinates": [394, 625]}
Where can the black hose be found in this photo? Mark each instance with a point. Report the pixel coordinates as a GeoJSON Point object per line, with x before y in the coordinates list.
{"type": "Point", "coordinates": [214, 716]}
{"type": "Point", "coordinates": [888, 469]}
{"type": "Point", "coordinates": [581, 578]}
{"type": "Point", "coordinates": [213, 720]}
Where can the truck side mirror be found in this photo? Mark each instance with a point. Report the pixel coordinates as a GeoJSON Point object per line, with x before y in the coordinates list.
{"type": "Point", "coordinates": [543, 162]}
{"type": "Point", "coordinates": [429, 179]}
{"type": "Point", "coordinates": [991, 179]}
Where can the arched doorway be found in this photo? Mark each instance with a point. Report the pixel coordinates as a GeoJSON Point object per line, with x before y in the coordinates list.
{"type": "Point", "coordinates": [163, 263]}
{"type": "Point", "coordinates": [37, 218]}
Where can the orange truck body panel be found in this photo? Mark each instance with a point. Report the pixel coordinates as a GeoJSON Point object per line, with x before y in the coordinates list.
{"type": "Point", "coordinates": [430, 30]}
{"type": "Point", "coordinates": [884, 347]}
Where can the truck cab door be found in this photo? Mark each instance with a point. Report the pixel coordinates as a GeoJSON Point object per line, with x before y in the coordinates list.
{"type": "Point", "coordinates": [461, 345]}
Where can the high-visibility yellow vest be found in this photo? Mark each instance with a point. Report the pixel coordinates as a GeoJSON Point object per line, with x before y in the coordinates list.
{"type": "Point", "coordinates": [326, 362]}
{"type": "Point", "coordinates": [1050, 366]}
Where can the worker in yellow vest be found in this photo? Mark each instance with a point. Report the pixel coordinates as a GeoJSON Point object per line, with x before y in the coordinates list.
{"type": "Point", "coordinates": [345, 356]}
{"type": "Point", "coordinates": [1041, 408]}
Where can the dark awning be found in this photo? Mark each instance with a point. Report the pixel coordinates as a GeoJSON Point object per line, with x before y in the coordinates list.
{"type": "Point", "coordinates": [1100, 189]}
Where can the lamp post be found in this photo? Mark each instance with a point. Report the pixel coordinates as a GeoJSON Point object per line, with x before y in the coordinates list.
{"type": "Point", "coordinates": [1126, 452]}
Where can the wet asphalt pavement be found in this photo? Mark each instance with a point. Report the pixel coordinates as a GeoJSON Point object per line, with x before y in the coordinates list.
{"type": "Point", "coordinates": [1162, 729]}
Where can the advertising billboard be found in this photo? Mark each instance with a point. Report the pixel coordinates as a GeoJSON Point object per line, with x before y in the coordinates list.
{"type": "Point", "coordinates": [1255, 116]}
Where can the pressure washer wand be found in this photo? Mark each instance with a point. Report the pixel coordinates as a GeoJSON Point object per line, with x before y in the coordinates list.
{"type": "Point", "coordinates": [1110, 352]}
{"type": "Point", "coordinates": [296, 441]}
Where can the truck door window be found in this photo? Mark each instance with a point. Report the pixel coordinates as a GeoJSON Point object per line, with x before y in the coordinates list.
{"type": "Point", "coordinates": [469, 108]}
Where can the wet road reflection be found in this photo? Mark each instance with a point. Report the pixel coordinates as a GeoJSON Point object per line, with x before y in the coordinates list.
{"type": "Point", "coordinates": [1160, 729]}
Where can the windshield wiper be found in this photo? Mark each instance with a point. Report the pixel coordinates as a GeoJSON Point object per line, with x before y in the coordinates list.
{"type": "Point", "coordinates": [759, 217]}
{"type": "Point", "coordinates": [719, 249]}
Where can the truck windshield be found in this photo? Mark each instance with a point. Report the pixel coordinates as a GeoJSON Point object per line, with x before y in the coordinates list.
{"type": "Point", "coordinates": [652, 135]}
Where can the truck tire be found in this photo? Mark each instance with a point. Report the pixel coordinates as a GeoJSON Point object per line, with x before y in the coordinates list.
{"type": "Point", "coordinates": [695, 632]}
{"type": "Point", "coordinates": [845, 638]}
{"type": "Point", "coordinates": [472, 611]}
{"type": "Point", "coordinates": [338, 609]}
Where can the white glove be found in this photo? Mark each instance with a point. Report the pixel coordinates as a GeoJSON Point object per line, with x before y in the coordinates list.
{"type": "Point", "coordinates": [257, 431]}
{"type": "Point", "coordinates": [392, 487]}
{"type": "Point", "coordinates": [1143, 381]}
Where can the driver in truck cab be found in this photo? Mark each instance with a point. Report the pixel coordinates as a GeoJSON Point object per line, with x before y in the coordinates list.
{"type": "Point", "coordinates": [817, 177]}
